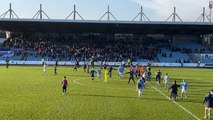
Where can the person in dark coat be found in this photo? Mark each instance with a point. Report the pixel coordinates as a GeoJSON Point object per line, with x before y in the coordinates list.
{"type": "Point", "coordinates": [110, 71]}
{"type": "Point", "coordinates": [158, 77]}
{"type": "Point", "coordinates": [131, 76]}
{"type": "Point", "coordinates": [174, 90]}
{"type": "Point", "coordinates": [208, 102]}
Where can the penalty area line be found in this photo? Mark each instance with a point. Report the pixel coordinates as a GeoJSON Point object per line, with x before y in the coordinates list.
{"type": "Point", "coordinates": [105, 87]}
{"type": "Point", "coordinates": [175, 103]}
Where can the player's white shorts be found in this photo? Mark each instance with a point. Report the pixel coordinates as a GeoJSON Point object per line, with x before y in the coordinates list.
{"type": "Point", "coordinates": [120, 73]}
{"type": "Point", "coordinates": [144, 76]}
{"type": "Point", "coordinates": [207, 108]}
{"type": "Point", "coordinates": [98, 75]}
{"type": "Point", "coordinates": [139, 91]}
{"type": "Point", "coordinates": [184, 90]}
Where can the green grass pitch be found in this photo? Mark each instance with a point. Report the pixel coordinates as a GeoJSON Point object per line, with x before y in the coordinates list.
{"type": "Point", "coordinates": [27, 94]}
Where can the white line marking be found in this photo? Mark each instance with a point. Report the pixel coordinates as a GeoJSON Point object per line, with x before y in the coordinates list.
{"type": "Point", "coordinates": [75, 81]}
{"type": "Point", "coordinates": [175, 103]}
{"type": "Point", "coordinates": [105, 87]}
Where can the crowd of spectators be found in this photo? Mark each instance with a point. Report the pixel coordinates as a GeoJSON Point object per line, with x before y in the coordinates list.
{"type": "Point", "coordinates": [65, 47]}
{"type": "Point", "coordinates": [83, 47]}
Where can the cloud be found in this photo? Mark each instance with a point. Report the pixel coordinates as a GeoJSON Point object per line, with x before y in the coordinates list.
{"type": "Point", "coordinates": [188, 10]}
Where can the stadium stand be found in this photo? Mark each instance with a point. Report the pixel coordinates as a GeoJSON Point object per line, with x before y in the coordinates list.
{"type": "Point", "coordinates": [51, 47]}
{"type": "Point", "coordinates": [172, 57]}
{"type": "Point", "coordinates": [190, 46]}
{"type": "Point", "coordinates": [35, 46]}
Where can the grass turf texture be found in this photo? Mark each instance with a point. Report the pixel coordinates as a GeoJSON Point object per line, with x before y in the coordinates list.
{"type": "Point", "coordinates": [25, 93]}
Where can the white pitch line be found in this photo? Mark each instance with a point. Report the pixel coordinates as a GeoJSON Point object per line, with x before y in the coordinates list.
{"type": "Point", "coordinates": [106, 87]}
{"type": "Point", "coordinates": [75, 81]}
{"type": "Point", "coordinates": [176, 103]}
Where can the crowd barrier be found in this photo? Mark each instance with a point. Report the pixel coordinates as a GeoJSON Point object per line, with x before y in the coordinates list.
{"type": "Point", "coordinates": [65, 63]}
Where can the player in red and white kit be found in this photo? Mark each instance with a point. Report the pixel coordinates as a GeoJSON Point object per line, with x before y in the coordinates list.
{"type": "Point", "coordinates": [64, 84]}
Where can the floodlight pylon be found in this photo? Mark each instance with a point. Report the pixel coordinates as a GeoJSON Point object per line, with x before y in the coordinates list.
{"type": "Point", "coordinates": [74, 12]}
{"type": "Point", "coordinates": [174, 15]}
{"type": "Point", "coordinates": [142, 15]}
{"type": "Point", "coordinates": [203, 16]}
{"type": "Point", "coordinates": [11, 13]}
{"type": "Point", "coordinates": [108, 13]}
{"type": "Point", "coordinates": [40, 13]}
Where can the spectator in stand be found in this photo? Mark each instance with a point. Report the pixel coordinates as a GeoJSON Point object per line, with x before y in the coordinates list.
{"type": "Point", "coordinates": [54, 46]}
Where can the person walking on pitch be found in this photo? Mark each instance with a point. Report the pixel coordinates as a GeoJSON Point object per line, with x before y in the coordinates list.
{"type": "Point", "coordinates": [106, 75]}
{"type": "Point", "coordinates": [131, 76]}
{"type": "Point", "coordinates": [174, 90]}
{"type": "Point", "coordinates": [44, 68]}
{"type": "Point", "coordinates": [99, 73]}
{"type": "Point", "coordinates": [7, 63]}
{"type": "Point", "coordinates": [166, 80]}
{"type": "Point", "coordinates": [139, 87]}
{"type": "Point", "coordinates": [64, 84]}
{"type": "Point", "coordinates": [92, 73]}
{"type": "Point", "coordinates": [184, 88]}
{"type": "Point", "coordinates": [208, 102]}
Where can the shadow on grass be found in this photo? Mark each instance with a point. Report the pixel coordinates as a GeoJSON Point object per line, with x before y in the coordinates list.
{"type": "Point", "coordinates": [189, 101]}
{"type": "Point", "coordinates": [144, 97]}
{"type": "Point", "coordinates": [136, 98]}
{"type": "Point", "coordinates": [90, 95]}
{"type": "Point", "coordinates": [74, 75]}
{"type": "Point", "coordinates": [202, 86]}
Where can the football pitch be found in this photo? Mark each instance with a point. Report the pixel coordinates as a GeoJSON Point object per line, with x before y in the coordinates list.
{"type": "Point", "coordinates": [27, 94]}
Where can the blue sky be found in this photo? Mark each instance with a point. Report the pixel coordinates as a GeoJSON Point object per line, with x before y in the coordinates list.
{"type": "Point", "coordinates": [156, 10]}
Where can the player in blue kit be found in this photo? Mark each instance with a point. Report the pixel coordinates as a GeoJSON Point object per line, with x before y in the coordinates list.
{"type": "Point", "coordinates": [184, 86]}
{"type": "Point", "coordinates": [121, 71]}
{"type": "Point", "coordinates": [99, 73]}
{"type": "Point", "coordinates": [149, 76]}
{"type": "Point", "coordinates": [92, 73]}
{"type": "Point", "coordinates": [139, 87]}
